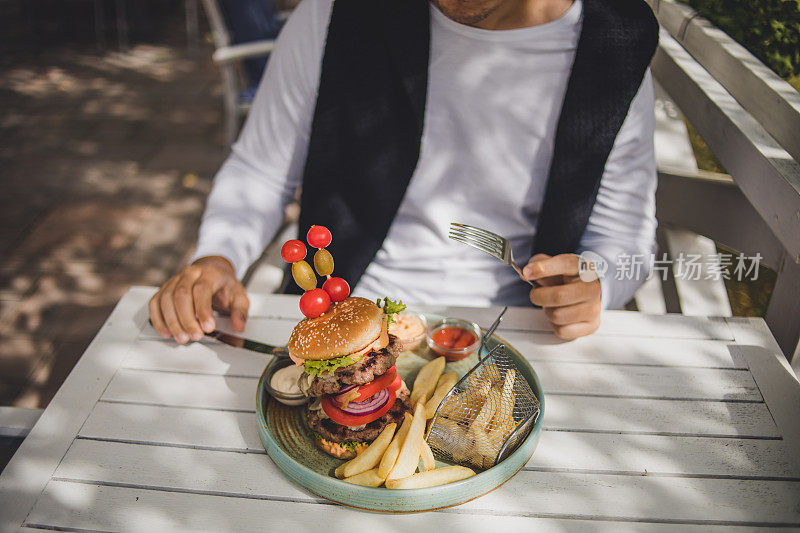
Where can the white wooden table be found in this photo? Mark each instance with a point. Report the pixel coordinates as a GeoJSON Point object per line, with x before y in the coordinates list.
{"type": "Point", "coordinates": [654, 422]}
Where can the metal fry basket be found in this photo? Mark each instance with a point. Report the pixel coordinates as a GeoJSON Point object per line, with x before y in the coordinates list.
{"type": "Point", "coordinates": [486, 415]}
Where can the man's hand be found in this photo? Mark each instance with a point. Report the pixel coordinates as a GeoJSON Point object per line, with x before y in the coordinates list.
{"type": "Point", "coordinates": [182, 308]}
{"type": "Point", "coordinates": [571, 305]}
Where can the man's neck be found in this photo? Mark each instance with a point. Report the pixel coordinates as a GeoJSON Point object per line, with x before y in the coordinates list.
{"type": "Point", "coordinates": [515, 14]}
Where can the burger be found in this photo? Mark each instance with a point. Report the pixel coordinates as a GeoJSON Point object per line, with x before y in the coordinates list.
{"type": "Point", "coordinates": [348, 359]}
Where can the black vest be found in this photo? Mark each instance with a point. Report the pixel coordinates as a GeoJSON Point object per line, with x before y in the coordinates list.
{"type": "Point", "coordinates": [367, 125]}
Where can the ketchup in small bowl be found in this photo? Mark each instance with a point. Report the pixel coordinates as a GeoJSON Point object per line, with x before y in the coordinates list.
{"type": "Point", "coordinates": [454, 338]}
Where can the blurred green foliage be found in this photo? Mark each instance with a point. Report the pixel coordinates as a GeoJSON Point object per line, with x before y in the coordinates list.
{"type": "Point", "coordinates": [769, 29]}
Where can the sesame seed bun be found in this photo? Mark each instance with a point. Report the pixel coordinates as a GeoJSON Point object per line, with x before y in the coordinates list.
{"type": "Point", "coordinates": [348, 326]}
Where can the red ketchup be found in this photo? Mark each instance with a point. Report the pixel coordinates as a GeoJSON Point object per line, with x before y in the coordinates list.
{"type": "Point", "coordinates": [450, 341]}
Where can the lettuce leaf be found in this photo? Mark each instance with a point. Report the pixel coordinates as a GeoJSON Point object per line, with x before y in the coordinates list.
{"type": "Point", "coordinates": [390, 308]}
{"type": "Point", "coordinates": [315, 368]}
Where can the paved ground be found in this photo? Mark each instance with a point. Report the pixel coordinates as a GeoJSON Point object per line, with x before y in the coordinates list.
{"type": "Point", "coordinates": [105, 162]}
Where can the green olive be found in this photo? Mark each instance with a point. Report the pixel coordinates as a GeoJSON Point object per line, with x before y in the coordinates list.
{"type": "Point", "coordinates": [323, 262]}
{"type": "Point", "coordinates": [304, 276]}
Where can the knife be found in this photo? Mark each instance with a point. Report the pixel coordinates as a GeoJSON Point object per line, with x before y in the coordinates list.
{"type": "Point", "coordinates": [247, 344]}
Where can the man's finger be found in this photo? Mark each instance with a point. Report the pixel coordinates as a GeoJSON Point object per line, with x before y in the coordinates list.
{"type": "Point", "coordinates": [571, 314]}
{"type": "Point", "coordinates": [579, 329]}
{"type": "Point", "coordinates": [203, 293]}
{"type": "Point", "coordinates": [567, 294]}
{"type": "Point", "coordinates": [154, 306]}
{"type": "Point", "coordinates": [240, 305]}
{"type": "Point", "coordinates": [171, 318]}
{"type": "Point", "coordinates": [564, 264]}
{"type": "Point", "coordinates": [184, 307]}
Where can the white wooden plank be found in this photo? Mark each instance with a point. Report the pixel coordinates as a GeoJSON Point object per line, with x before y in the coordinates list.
{"type": "Point", "coordinates": [702, 294]}
{"type": "Point", "coordinates": [765, 172]}
{"type": "Point", "coordinates": [29, 470]}
{"type": "Point", "coordinates": [106, 508]}
{"type": "Point", "coordinates": [617, 323]}
{"type": "Point", "coordinates": [624, 350]}
{"type": "Point", "coordinates": [781, 391]}
{"type": "Point", "coordinates": [173, 425]}
{"type": "Point", "coordinates": [229, 430]}
{"type": "Point", "coordinates": [634, 324]}
{"type": "Point", "coordinates": [269, 330]}
{"type": "Point", "coordinates": [207, 358]}
{"type": "Point", "coordinates": [16, 422]}
{"type": "Point", "coordinates": [276, 327]}
{"type": "Point", "coordinates": [672, 455]}
{"type": "Point", "coordinates": [555, 374]}
{"type": "Point", "coordinates": [646, 382]}
{"type": "Point", "coordinates": [562, 411]}
{"type": "Point", "coordinates": [755, 332]}
{"type": "Point", "coordinates": [183, 390]}
{"type": "Point", "coordinates": [771, 100]}
{"type": "Point", "coordinates": [672, 417]}
{"type": "Point", "coordinates": [647, 497]}
{"type": "Point", "coordinates": [215, 358]}
{"type": "Point", "coordinates": [284, 310]}
{"type": "Point", "coordinates": [284, 306]}
{"type": "Point", "coordinates": [536, 493]}
{"type": "Point", "coordinates": [178, 468]}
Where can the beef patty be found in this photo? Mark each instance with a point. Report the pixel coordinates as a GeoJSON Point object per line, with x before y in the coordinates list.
{"type": "Point", "coordinates": [332, 431]}
{"type": "Point", "coordinates": [372, 365]}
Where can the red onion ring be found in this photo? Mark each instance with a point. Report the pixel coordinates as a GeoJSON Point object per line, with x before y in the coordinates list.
{"type": "Point", "coordinates": [339, 396]}
{"type": "Point", "coordinates": [368, 406]}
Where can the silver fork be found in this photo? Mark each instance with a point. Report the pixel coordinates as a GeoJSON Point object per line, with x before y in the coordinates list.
{"type": "Point", "coordinates": [486, 241]}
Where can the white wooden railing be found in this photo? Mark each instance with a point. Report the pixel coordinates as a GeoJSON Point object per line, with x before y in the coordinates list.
{"type": "Point", "coordinates": [750, 118]}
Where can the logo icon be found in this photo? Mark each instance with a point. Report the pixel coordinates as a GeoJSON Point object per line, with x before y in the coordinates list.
{"type": "Point", "coordinates": [591, 266]}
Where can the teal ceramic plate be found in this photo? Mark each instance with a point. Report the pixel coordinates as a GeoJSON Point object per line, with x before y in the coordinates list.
{"type": "Point", "coordinates": [290, 444]}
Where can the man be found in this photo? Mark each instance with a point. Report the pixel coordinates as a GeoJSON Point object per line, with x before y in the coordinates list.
{"type": "Point", "coordinates": [530, 118]}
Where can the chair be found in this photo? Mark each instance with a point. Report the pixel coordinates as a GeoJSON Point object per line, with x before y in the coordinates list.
{"type": "Point", "coordinates": [244, 34]}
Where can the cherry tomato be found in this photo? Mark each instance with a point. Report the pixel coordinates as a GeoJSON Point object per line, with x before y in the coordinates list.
{"type": "Point", "coordinates": [319, 236]}
{"type": "Point", "coordinates": [293, 251]}
{"type": "Point", "coordinates": [337, 289]}
{"type": "Point", "coordinates": [304, 276]}
{"type": "Point", "coordinates": [314, 302]}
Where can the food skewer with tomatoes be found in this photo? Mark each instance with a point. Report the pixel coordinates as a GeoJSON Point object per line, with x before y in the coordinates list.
{"type": "Point", "coordinates": [347, 354]}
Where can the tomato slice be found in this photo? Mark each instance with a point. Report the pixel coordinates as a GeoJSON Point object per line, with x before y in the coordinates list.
{"type": "Point", "coordinates": [376, 385]}
{"type": "Point", "coordinates": [396, 384]}
{"type": "Point", "coordinates": [346, 419]}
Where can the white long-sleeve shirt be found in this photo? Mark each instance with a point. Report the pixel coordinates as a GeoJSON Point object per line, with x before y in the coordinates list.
{"type": "Point", "coordinates": [494, 98]}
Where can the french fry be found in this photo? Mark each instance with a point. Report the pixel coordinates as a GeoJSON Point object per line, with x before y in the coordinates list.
{"type": "Point", "coordinates": [488, 374]}
{"type": "Point", "coordinates": [370, 478]}
{"type": "Point", "coordinates": [393, 450]}
{"type": "Point", "coordinates": [502, 423]}
{"type": "Point", "coordinates": [484, 448]}
{"type": "Point", "coordinates": [428, 461]}
{"type": "Point", "coordinates": [408, 459]}
{"type": "Point", "coordinates": [455, 410]}
{"type": "Point", "coordinates": [389, 459]}
{"type": "Point", "coordinates": [446, 383]}
{"type": "Point", "coordinates": [508, 386]}
{"type": "Point", "coordinates": [465, 406]}
{"type": "Point", "coordinates": [426, 380]}
{"type": "Point", "coordinates": [431, 478]}
{"type": "Point", "coordinates": [369, 458]}
{"type": "Point", "coordinates": [487, 411]}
